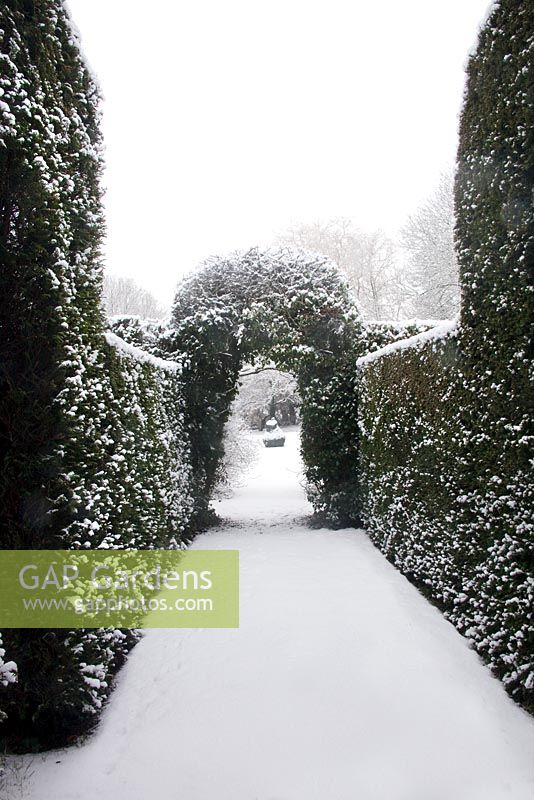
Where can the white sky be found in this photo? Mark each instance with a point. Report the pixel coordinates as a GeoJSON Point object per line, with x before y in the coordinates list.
{"type": "Point", "coordinates": [226, 121]}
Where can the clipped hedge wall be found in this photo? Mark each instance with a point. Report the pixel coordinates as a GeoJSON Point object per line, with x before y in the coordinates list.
{"type": "Point", "coordinates": [446, 449]}
{"type": "Point", "coordinates": [330, 430]}
{"type": "Point", "coordinates": [93, 447]}
{"type": "Point", "coordinates": [131, 451]}
{"type": "Point", "coordinates": [460, 532]}
{"type": "Point", "coordinates": [446, 453]}
{"type": "Point", "coordinates": [126, 483]}
{"type": "Point", "coordinates": [330, 439]}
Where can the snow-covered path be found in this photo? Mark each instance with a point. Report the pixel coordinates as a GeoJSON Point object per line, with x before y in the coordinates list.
{"type": "Point", "coordinates": [342, 683]}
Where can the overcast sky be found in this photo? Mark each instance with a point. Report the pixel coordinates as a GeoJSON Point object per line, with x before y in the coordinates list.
{"type": "Point", "coordinates": [226, 121]}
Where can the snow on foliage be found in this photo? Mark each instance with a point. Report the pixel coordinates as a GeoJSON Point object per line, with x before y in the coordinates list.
{"type": "Point", "coordinates": [446, 441]}
{"type": "Point", "coordinates": [142, 356]}
{"type": "Point", "coordinates": [279, 306]}
{"type": "Point", "coordinates": [8, 673]}
{"type": "Point", "coordinates": [440, 331]}
{"type": "Point", "coordinates": [96, 451]}
{"type": "Point", "coordinates": [366, 259]}
{"type": "Point", "coordinates": [115, 441]}
{"type": "Point", "coordinates": [271, 297]}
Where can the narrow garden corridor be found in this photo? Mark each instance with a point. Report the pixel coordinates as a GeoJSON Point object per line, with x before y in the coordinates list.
{"type": "Point", "coordinates": [342, 683]}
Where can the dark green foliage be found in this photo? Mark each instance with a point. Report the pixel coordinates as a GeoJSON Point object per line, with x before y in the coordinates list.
{"type": "Point", "coordinates": [279, 306]}
{"type": "Point", "coordinates": [52, 704]}
{"type": "Point", "coordinates": [494, 230]}
{"type": "Point", "coordinates": [330, 420]}
{"type": "Point", "coordinates": [409, 464]}
{"type": "Point", "coordinates": [128, 477]}
{"type": "Point", "coordinates": [495, 236]}
{"type": "Point", "coordinates": [464, 542]}
{"type": "Point", "coordinates": [50, 231]}
{"type": "Point", "coordinates": [285, 307]}
{"type": "Point", "coordinates": [146, 334]}
{"type": "Point", "coordinates": [126, 464]}
{"type": "Point", "coordinates": [330, 440]}
{"type": "Point", "coordinates": [446, 427]}
{"type": "Point", "coordinates": [210, 379]}
{"type": "Point", "coordinates": [379, 334]}
{"type": "Point", "coordinates": [50, 221]}
{"type": "Point", "coordinates": [92, 443]}
{"type": "Point", "coordinates": [102, 445]}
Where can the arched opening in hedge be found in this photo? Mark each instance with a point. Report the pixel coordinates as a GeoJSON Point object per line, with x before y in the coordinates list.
{"type": "Point", "coordinates": [284, 307]}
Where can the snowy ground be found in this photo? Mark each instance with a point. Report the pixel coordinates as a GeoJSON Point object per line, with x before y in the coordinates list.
{"type": "Point", "coordinates": [342, 683]}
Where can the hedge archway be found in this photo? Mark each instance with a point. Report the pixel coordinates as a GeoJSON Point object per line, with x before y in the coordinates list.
{"type": "Point", "coordinates": [281, 306]}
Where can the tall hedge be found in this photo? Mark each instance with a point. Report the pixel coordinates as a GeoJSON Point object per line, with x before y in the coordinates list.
{"type": "Point", "coordinates": [446, 436]}
{"type": "Point", "coordinates": [127, 466]}
{"type": "Point", "coordinates": [50, 221]}
{"type": "Point", "coordinates": [495, 242]}
{"type": "Point", "coordinates": [105, 446]}
{"type": "Point", "coordinates": [50, 234]}
{"type": "Point", "coordinates": [93, 446]}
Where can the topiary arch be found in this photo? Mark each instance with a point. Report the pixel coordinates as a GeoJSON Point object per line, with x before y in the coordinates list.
{"type": "Point", "coordinates": [262, 306]}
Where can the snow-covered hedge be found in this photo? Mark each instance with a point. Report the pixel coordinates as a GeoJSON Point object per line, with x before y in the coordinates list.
{"type": "Point", "coordinates": [261, 306]}
{"type": "Point", "coordinates": [93, 446]}
{"type": "Point", "coordinates": [286, 307]}
{"type": "Point", "coordinates": [446, 440]}
{"type": "Point", "coordinates": [125, 483]}
{"type": "Point", "coordinates": [135, 471]}
{"type": "Point", "coordinates": [455, 522]}
{"type": "Point", "coordinates": [330, 430]}
{"type": "Point", "coordinates": [380, 333]}
{"type": "Point", "coordinates": [8, 674]}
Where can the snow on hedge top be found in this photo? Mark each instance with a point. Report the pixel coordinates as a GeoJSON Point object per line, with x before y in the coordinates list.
{"type": "Point", "coordinates": [441, 331]}
{"type": "Point", "coordinates": [281, 279]}
{"type": "Point", "coordinates": [140, 355]}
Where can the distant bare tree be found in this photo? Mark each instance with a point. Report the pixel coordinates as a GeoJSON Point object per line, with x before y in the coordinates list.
{"type": "Point", "coordinates": [240, 454]}
{"type": "Point", "coordinates": [265, 393]}
{"type": "Point", "coordinates": [428, 238]}
{"type": "Point", "coordinates": [125, 296]}
{"type": "Point", "coordinates": [262, 392]}
{"type": "Point", "coordinates": [368, 260]}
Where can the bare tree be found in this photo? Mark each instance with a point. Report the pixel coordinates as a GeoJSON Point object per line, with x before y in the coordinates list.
{"type": "Point", "coordinates": [125, 296]}
{"type": "Point", "coordinates": [368, 260]}
{"type": "Point", "coordinates": [240, 454]}
{"type": "Point", "coordinates": [428, 239]}
{"type": "Point", "coordinates": [264, 393]}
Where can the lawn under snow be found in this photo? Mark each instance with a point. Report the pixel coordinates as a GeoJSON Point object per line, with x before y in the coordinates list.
{"type": "Point", "coordinates": [342, 683]}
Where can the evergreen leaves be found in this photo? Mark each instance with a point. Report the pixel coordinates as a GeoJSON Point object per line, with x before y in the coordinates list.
{"type": "Point", "coordinates": [446, 428]}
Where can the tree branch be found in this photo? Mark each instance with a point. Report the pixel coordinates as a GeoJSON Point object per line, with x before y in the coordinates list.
{"type": "Point", "coordinates": [264, 369]}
